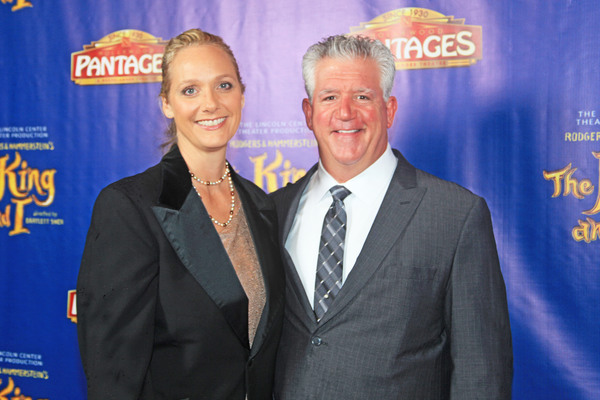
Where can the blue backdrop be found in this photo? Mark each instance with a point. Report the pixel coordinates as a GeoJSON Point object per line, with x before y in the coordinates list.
{"type": "Point", "coordinates": [519, 124]}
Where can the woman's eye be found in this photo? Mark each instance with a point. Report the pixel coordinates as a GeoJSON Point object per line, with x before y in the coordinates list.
{"type": "Point", "coordinates": [189, 91]}
{"type": "Point", "coordinates": [225, 85]}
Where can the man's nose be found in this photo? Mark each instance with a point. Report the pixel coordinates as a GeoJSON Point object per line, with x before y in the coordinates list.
{"type": "Point", "coordinates": [345, 110]}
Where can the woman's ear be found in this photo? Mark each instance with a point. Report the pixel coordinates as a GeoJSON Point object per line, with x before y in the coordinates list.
{"type": "Point", "coordinates": [166, 108]}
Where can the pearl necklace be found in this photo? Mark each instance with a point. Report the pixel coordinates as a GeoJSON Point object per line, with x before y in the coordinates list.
{"type": "Point", "coordinates": [231, 190]}
{"type": "Point", "coordinates": [210, 183]}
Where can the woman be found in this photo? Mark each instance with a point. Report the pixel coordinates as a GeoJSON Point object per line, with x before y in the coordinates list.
{"type": "Point", "coordinates": [180, 291]}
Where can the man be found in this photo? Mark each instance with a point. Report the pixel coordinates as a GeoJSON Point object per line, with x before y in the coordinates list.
{"type": "Point", "coordinates": [394, 289]}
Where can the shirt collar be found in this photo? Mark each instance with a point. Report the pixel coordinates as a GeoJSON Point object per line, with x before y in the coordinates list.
{"type": "Point", "coordinates": [366, 185]}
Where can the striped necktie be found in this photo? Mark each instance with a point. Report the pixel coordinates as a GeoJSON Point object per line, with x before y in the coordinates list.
{"type": "Point", "coordinates": [331, 252]}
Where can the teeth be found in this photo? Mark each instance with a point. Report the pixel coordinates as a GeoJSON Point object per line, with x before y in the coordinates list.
{"type": "Point", "coordinates": [348, 131]}
{"type": "Point", "coordinates": [211, 122]}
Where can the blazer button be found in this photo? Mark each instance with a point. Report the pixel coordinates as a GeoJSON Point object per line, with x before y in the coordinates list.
{"type": "Point", "coordinates": [317, 341]}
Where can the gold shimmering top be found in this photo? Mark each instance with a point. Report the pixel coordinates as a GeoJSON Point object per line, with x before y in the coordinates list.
{"type": "Point", "coordinates": [239, 246]}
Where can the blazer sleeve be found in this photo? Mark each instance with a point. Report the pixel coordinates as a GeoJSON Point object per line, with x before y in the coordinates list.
{"type": "Point", "coordinates": [477, 314]}
{"type": "Point", "coordinates": [116, 297]}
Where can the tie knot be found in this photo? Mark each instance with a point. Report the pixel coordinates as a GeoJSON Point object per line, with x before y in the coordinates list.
{"type": "Point", "coordinates": [339, 192]}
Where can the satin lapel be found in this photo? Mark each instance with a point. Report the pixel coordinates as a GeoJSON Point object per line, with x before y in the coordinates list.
{"type": "Point", "coordinates": [399, 205]}
{"type": "Point", "coordinates": [262, 222]}
{"type": "Point", "coordinates": [188, 228]}
{"type": "Point", "coordinates": [289, 203]}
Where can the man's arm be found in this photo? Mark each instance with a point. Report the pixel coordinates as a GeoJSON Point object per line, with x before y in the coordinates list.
{"type": "Point", "coordinates": [477, 314]}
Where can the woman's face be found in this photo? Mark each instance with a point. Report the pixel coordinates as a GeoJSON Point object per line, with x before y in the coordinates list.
{"type": "Point", "coordinates": [205, 99]}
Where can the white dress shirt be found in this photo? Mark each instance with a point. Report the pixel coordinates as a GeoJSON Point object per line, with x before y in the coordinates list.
{"type": "Point", "coordinates": [368, 189]}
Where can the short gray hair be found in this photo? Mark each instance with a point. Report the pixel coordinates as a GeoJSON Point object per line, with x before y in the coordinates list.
{"type": "Point", "coordinates": [348, 48]}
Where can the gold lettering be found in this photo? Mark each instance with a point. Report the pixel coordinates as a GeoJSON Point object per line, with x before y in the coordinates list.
{"type": "Point", "coordinates": [7, 390]}
{"type": "Point", "coordinates": [556, 177]}
{"type": "Point", "coordinates": [596, 208]}
{"type": "Point", "coordinates": [585, 187]}
{"type": "Point", "coordinates": [25, 185]}
{"type": "Point", "coordinates": [8, 173]}
{"type": "Point", "coordinates": [579, 232]}
{"type": "Point", "coordinates": [290, 174]}
{"type": "Point", "coordinates": [47, 183]}
{"type": "Point", "coordinates": [588, 231]}
{"type": "Point", "coordinates": [19, 216]}
{"type": "Point", "coordinates": [23, 176]}
{"type": "Point", "coordinates": [266, 173]}
{"type": "Point", "coordinates": [571, 185]}
{"type": "Point", "coordinates": [5, 217]}
{"type": "Point", "coordinates": [20, 4]}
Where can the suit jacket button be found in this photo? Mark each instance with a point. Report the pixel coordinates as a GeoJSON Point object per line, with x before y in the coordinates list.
{"type": "Point", "coordinates": [317, 341]}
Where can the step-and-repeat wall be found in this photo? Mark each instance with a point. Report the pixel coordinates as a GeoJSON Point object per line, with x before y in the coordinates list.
{"type": "Point", "coordinates": [502, 97]}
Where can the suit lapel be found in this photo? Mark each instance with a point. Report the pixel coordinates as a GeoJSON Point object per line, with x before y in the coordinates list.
{"type": "Point", "coordinates": [397, 209]}
{"type": "Point", "coordinates": [288, 206]}
{"type": "Point", "coordinates": [291, 198]}
{"type": "Point", "coordinates": [186, 225]}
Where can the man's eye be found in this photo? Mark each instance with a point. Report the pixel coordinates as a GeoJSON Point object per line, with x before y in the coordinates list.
{"type": "Point", "coordinates": [225, 85]}
{"type": "Point", "coordinates": [362, 97]}
{"type": "Point", "coordinates": [329, 98]}
{"type": "Point", "coordinates": [189, 91]}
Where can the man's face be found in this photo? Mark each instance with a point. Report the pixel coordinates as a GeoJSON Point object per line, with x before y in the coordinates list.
{"type": "Point", "coordinates": [348, 115]}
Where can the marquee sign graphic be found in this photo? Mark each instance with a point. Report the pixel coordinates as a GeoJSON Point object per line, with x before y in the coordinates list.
{"type": "Point", "coordinates": [126, 56]}
{"type": "Point", "coordinates": [71, 306]}
{"type": "Point", "coordinates": [420, 38]}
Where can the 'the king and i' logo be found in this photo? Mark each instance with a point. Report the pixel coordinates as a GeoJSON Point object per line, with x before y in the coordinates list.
{"type": "Point", "coordinates": [565, 184]}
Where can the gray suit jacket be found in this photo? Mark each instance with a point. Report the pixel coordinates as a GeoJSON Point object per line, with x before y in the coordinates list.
{"type": "Point", "coordinates": [423, 313]}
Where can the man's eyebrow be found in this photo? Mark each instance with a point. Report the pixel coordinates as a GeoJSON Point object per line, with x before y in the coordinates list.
{"type": "Point", "coordinates": [356, 90]}
{"type": "Point", "coordinates": [364, 90]}
{"type": "Point", "coordinates": [327, 91]}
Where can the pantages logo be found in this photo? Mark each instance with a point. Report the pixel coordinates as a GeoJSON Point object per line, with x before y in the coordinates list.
{"type": "Point", "coordinates": [420, 38]}
{"type": "Point", "coordinates": [71, 306]}
{"type": "Point", "coordinates": [126, 56]}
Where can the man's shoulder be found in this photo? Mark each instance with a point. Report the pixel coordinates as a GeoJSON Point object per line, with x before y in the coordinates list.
{"type": "Point", "coordinates": [289, 191]}
{"type": "Point", "coordinates": [446, 195]}
{"type": "Point", "coordinates": [435, 183]}
{"type": "Point", "coordinates": [435, 186]}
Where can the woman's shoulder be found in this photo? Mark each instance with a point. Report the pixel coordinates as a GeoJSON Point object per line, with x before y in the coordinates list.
{"type": "Point", "coordinates": [144, 186]}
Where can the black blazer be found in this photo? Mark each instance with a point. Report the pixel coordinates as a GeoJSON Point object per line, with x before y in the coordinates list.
{"type": "Point", "coordinates": [161, 312]}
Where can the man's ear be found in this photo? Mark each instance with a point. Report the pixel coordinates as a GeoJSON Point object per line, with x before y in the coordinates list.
{"type": "Point", "coordinates": [392, 107]}
{"type": "Point", "coordinates": [307, 108]}
{"type": "Point", "coordinates": [166, 108]}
